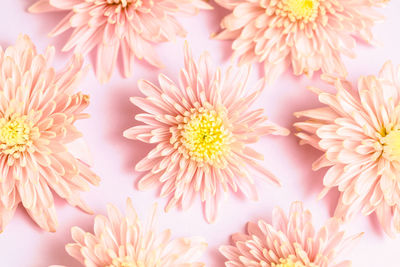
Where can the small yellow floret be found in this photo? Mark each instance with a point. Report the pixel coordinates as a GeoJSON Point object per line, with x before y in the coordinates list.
{"type": "Point", "coordinates": [15, 134]}
{"type": "Point", "coordinates": [391, 144]}
{"type": "Point", "coordinates": [125, 3]}
{"type": "Point", "coordinates": [305, 10]}
{"type": "Point", "coordinates": [205, 136]}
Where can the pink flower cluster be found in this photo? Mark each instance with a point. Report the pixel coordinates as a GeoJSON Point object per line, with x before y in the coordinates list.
{"type": "Point", "coordinates": [203, 128]}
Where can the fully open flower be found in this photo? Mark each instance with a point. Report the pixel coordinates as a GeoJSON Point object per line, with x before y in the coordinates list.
{"type": "Point", "coordinates": [288, 242]}
{"type": "Point", "coordinates": [38, 108]}
{"type": "Point", "coordinates": [123, 241]}
{"type": "Point", "coordinates": [129, 26]}
{"type": "Point", "coordinates": [359, 133]}
{"type": "Point", "coordinates": [202, 129]}
{"type": "Point", "coordinates": [306, 35]}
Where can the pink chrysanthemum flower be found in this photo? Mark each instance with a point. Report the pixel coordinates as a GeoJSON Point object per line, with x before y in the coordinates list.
{"type": "Point", "coordinates": [129, 26]}
{"type": "Point", "coordinates": [38, 108]}
{"type": "Point", "coordinates": [359, 133]}
{"type": "Point", "coordinates": [202, 129]}
{"type": "Point", "coordinates": [306, 35]}
{"type": "Point", "coordinates": [123, 241]}
{"type": "Point", "coordinates": [289, 242]}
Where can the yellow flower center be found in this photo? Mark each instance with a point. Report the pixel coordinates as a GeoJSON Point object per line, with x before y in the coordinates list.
{"type": "Point", "coordinates": [125, 3]}
{"type": "Point", "coordinates": [304, 10]}
{"type": "Point", "coordinates": [205, 136]}
{"type": "Point", "coordinates": [15, 134]}
{"type": "Point", "coordinates": [391, 144]}
{"type": "Point", "coordinates": [287, 263]}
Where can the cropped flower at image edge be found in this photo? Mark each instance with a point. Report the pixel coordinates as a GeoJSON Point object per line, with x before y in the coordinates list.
{"type": "Point", "coordinates": [290, 241]}
{"type": "Point", "coordinates": [38, 108]}
{"type": "Point", "coordinates": [302, 35]}
{"type": "Point", "coordinates": [358, 129]}
{"type": "Point", "coordinates": [124, 241]}
{"type": "Point", "coordinates": [128, 27]}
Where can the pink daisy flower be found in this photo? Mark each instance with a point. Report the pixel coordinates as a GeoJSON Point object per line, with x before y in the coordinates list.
{"type": "Point", "coordinates": [289, 242]}
{"type": "Point", "coordinates": [123, 241]}
{"type": "Point", "coordinates": [202, 129]}
{"type": "Point", "coordinates": [306, 35]}
{"type": "Point", "coordinates": [129, 26]}
{"type": "Point", "coordinates": [38, 108]}
{"type": "Point", "coordinates": [359, 133]}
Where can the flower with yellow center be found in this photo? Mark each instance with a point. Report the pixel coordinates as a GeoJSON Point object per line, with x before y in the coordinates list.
{"type": "Point", "coordinates": [16, 134]}
{"type": "Point", "coordinates": [358, 129]}
{"type": "Point", "coordinates": [203, 128]}
{"type": "Point", "coordinates": [204, 136]}
{"type": "Point", "coordinates": [305, 36]}
{"type": "Point", "coordinates": [37, 127]}
{"type": "Point", "coordinates": [303, 10]}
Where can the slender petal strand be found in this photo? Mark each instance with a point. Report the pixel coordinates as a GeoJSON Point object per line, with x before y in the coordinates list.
{"type": "Point", "coordinates": [123, 241]}
{"type": "Point", "coordinates": [38, 108]}
{"type": "Point", "coordinates": [289, 241]}
{"type": "Point", "coordinates": [304, 35]}
{"type": "Point", "coordinates": [359, 133]}
{"type": "Point", "coordinates": [128, 27]}
{"type": "Point", "coordinates": [202, 128]}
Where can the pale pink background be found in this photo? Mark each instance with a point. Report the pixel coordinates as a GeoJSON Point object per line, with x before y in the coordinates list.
{"type": "Point", "coordinates": [23, 244]}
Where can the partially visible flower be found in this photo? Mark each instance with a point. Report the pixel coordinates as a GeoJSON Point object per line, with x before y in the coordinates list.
{"type": "Point", "coordinates": [202, 129]}
{"type": "Point", "coordinates": [38, 108]}
{"type": "Point", "coordinates": [288, 242]}
{"type": "Point", "coordinates": [359, 133]}
{"type": "Point", "coordinates": [123, 241]}
{"type": "Point", "coordinates": [129, 27]}
{"type": "Point", "coordinates": [304, 35]}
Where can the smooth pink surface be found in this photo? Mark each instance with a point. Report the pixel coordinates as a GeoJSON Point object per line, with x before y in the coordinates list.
{"type": "Point", "coordinates": [23, 244]}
